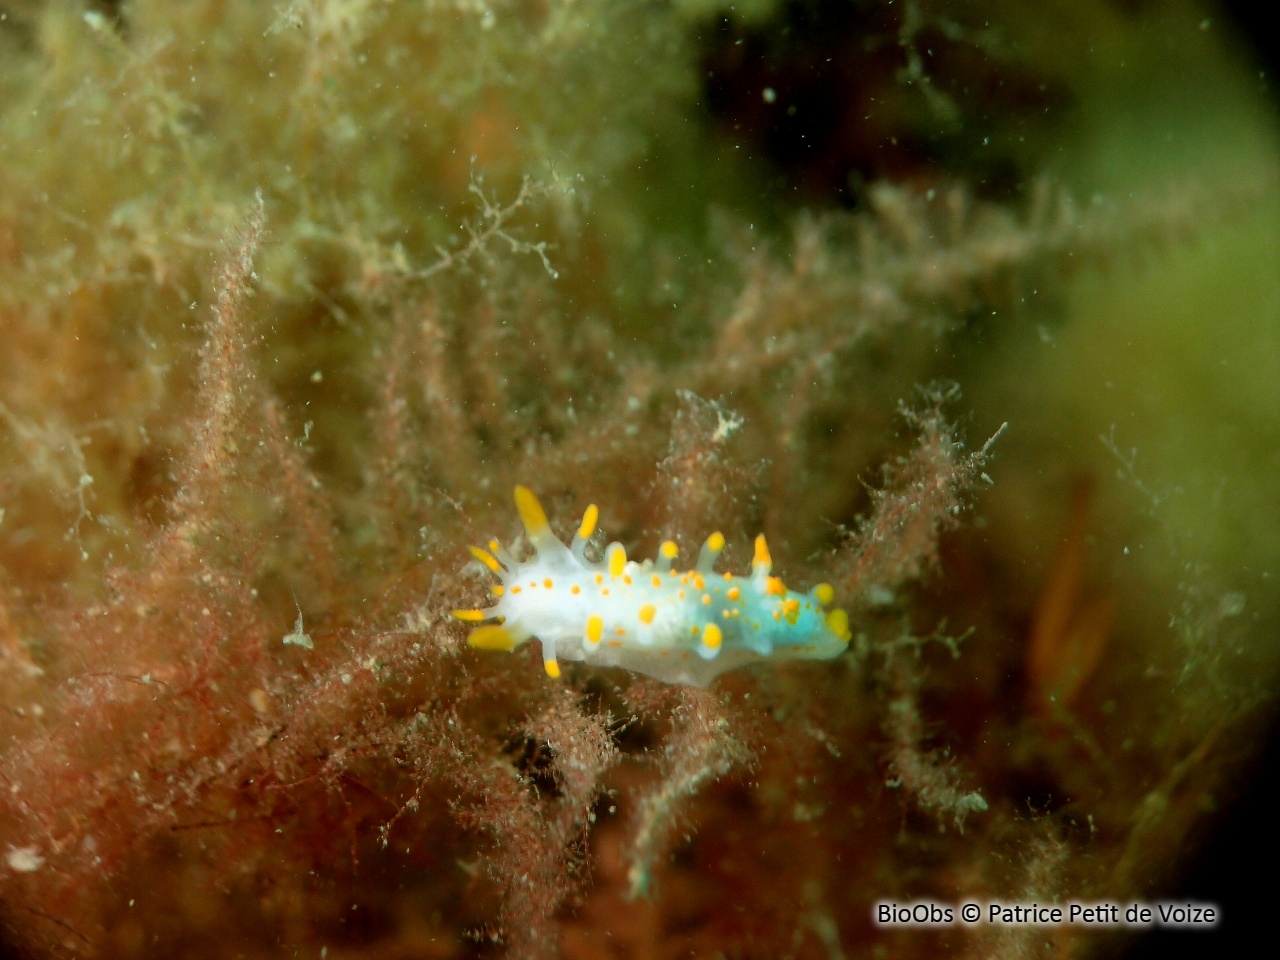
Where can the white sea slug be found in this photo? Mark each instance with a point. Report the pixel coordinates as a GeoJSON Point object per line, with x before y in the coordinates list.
{"type": "Point", "coordinates": [680, 626]}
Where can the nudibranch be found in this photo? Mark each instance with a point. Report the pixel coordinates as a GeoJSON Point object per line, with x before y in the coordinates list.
{"type": "Point", "coordinates": [680, 626]}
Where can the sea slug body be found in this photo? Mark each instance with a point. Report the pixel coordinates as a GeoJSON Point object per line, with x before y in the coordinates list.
{"type": "Point", "coordinates": [680, 626]}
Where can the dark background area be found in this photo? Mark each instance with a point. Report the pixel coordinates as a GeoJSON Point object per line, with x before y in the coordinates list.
{"type": "Point", "coordinates": [1234, 871]}
{"type": "Point", "coordinates": [825, 153]}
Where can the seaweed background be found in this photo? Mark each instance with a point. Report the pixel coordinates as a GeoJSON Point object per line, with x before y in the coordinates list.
{"type": "Point", "coordinates": [291, 297]}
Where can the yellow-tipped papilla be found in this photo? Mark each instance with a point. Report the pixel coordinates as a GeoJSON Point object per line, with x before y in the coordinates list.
{"type": "Point", "coordinates": [838, 623]}
{"type": "Point", "coordinates": [762, 563]}
{"type": "Point", "coordinates": [535, 523]}
{"type": "Point", "coordinates": [617, 555]}
{"type": "Point", "coordinates": [532, 515]}
{"type": "Point", "coordinates": [492, 637]}
{"type": "Point", "coordinates": [500, 552]}
{"type": "Point", "coordinates": [824, 593]}
{"type": "Point", "coordinates": [710, 550]}
{"type": "Point", "coordinates": [553, 669]}
{"type": "Point", "coordinates": [589, 520]}
{"type": "Point", "coordinates": [585, 529]}
{"type": "Point", "coordinates": [474, 616]}
{"type": "Point", "coordinates": [488, 559]}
